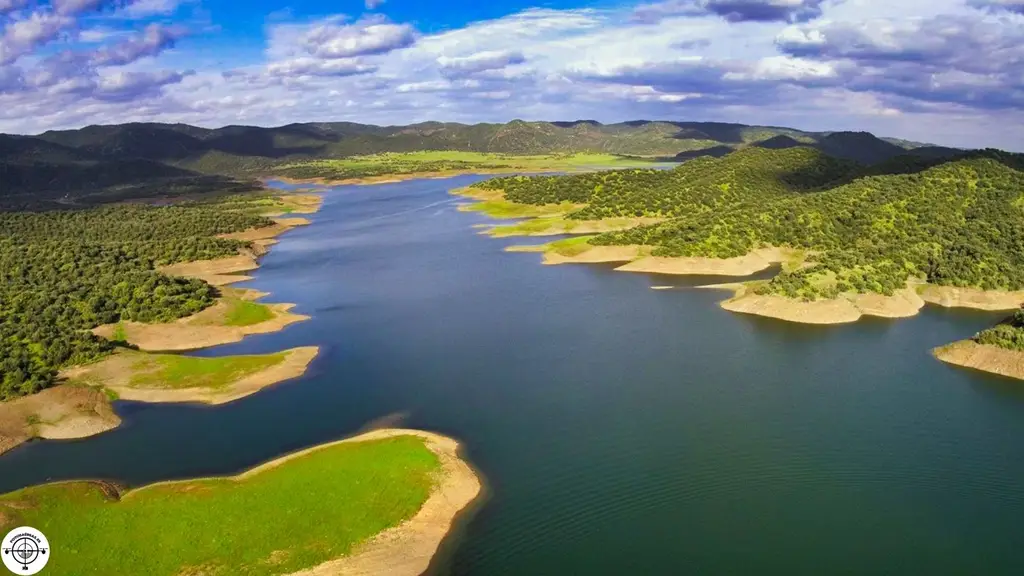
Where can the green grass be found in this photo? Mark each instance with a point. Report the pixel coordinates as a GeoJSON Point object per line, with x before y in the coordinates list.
{"type": "Point", "coordinates": [503, 209]}
{"type": "Point", "coordinates": [246, 313]}
{"type": "Point", "coordinates": [398, 163]}
{"type": "Point", "coordinates": [288, 518]}
{"type": "Point", "coordinates": [570, 246]}
{"type": "Point", "coordinates": [176, 371]}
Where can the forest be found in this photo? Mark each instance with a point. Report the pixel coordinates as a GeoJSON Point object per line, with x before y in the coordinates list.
{"type": "Point", "coordinates": [1008, 334]}
{"type": "Point", "coordinates": [65, 272]}
{"type": "Point", "coordinates": [955, 221]}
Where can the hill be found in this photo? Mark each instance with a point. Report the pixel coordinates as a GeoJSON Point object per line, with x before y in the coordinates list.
{"type": "Point", "coordinates": [115, 162]}
{"type": "Point", "coordinates": [953, 222]}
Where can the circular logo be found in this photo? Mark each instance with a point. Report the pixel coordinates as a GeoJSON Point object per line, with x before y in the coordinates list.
{"type": "Point", "coordinates": [25, 550]}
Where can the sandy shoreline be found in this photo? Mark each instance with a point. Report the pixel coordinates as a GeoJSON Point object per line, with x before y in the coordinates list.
{"type": "Point", "coordinates": [842, 310]}
{"type": "Point", "coordinates": [203, 329]}
{"type": "Point", "coordinates": [116, 373]}
{"type": "Point", "coordinates": [987, 358]}
{"type": "Point", "coordinates": [407, 549]}
{"type": "Point", "coordinates": [60, 412]}
{"type": "Point", "coordinates": [66, 411]}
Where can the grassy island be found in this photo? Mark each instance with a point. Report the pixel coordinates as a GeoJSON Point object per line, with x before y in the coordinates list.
{"type": "Point", "coordinates": [344, 507]}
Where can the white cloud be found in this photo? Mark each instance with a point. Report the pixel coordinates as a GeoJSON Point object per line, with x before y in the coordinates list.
{"type": "Point", "coordinates": [893, 67]}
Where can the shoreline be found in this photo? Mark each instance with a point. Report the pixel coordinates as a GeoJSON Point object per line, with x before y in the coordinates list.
{"type": "Point", "coordinates": [405, 549]}
{"type": "Point", "coordinates": [68, 413]}
{"type": "Point", "coordinates": [116, 373]}
{"type": "Point", "coordinates": [396, 178]}
{"type": "Point", "coordinates": [843, 309]}
{"type": "Point", "coordinates": [409, 548]}
{"type": "Point", "coordinates": [985, 358]}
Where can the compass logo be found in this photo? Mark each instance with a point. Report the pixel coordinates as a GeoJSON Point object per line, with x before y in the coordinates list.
{"type": "Point", "coordinates": [25, 550]}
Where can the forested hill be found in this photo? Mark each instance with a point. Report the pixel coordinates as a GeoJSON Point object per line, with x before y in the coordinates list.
{"type": "Point", "coordinates": [64, 272]}
{"type": "Point", "coordinates": [958, 221]}
{"type": "Point", "coordinates": [35, 172]}
{"type": "Point", "coordinates": [133, 160]}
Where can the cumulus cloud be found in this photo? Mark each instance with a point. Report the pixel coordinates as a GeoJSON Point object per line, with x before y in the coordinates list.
{"type": "Point", "coordinates": [23, 36]}
{"type": "Point", "coordinates": [915, 66]}
{"type": "Point", "coordinates": [315, 67]}
{"type": "Point", "coordinates": [732, 10]}
{"type": "Point", "coordinates": [144, 8]}
{"type": "Point", "coordinates": [362, 38]}
{"type": "Point", "coordinates": [154, 39]}
{"type": "Point", "coordinates": [8, 6]}
{"type": "Point", "coordinates": [489, 60]}
{"type": "Point", "coordinates": [1016, 6]}
{"type": "Point", "coordinates": [954, 59]}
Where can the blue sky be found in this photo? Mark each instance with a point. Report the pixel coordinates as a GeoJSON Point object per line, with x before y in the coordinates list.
{"type": "Point", "coordinates": [944, 71]}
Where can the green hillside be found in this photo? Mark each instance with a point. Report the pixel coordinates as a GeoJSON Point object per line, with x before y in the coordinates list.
{"type": "Point", "coordinates": [957, 222]}
{"type": "Point", "coordinates": [116, 162]}
{"type": "Point", "coordinates": [65, 272]}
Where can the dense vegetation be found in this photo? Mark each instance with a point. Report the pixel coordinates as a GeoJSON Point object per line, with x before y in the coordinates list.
{"type": "Point", "coordinates": [443, 161]}
{"type": "Point", "coordinates": [953, 222]}
{"type": "Point", "coordinates": [65, 272]}
{"type": "Point", "coordinates": [1009, 334]}
{"type": "Point", "coordinates": [105, 163]}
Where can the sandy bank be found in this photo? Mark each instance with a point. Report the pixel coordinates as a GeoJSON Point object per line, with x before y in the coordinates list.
{"type": "Point", "coordinates": [545, 226]}
{"type": "Point", "coordinates": [953, 297]}
{"type": "Point", "coordinates": [203, 329]}
{"type": "Point", "coordinates": [60, 412]}
{"type": "Point", "coordinates": [846, 308]}
{"type": "Point", "coordinates": [751, 263]}
{"type": "Point", "coordinates": [296, 203]}
{"type": "Point", "coordinates": [406, 550]}
{"type": "Point", "coordinates": [987, 358]}
{"type": "Point", "coordinates": [117, 372]}
{"type": "Point", "coordinates": [595, 255]}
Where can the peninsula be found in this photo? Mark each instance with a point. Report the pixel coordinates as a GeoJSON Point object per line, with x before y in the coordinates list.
{"type": "Point", "coordinates": [378, 503]}
{"type": "Point", "coordinates": [853, 240]}
{"type": "Point", "coordinates": [167, 292]}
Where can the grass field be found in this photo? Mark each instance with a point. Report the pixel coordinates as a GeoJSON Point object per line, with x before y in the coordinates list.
{"type": "Point", "coordinates": [503, 209]}
{"type": "Point", "coordinates": [246, 313]}
{"type": "Point", "coordinates": [176, 371]}
{"type": "Point", "coordinates": [444, 161]}
{"type": "Point", "coordinates": [570, 246]}
{"type": "Point", "coordinates": [277, 520]}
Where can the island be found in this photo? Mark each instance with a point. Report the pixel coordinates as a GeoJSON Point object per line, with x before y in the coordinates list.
{"type": "Point", "coordinates": [852, 239]}
{"type": "Point", "coordinates": [377, 503]}
{"type": "Point", "coordinates": [101, 295]}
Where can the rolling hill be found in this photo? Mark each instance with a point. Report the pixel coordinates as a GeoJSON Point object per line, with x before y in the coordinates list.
{"type": "Point", "coordinates": [115, 162]}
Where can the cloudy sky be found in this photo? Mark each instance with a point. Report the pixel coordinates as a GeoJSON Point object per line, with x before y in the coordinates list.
{"type": "Point", "coordinates": [943, 71]}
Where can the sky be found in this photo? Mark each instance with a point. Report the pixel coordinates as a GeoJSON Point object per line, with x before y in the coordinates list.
{"type": "Point", "coordinates": [943, 71]}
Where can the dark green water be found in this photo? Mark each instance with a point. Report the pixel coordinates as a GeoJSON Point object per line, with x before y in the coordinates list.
{"type": "Point", "coordinates": [622, 430]}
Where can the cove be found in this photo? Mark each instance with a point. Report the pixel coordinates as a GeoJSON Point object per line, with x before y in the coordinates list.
{"type": "Point", "coordinates": [621, 430]}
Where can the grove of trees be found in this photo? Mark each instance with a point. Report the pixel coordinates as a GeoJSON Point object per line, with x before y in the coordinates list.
{"type": "Point", "coordinates": [957, 221]}
{"type": "Point", "coordinates": [63, 273]}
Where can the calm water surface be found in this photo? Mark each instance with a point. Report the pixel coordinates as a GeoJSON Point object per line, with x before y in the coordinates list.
{"type": "Point", "coordinates": [622, 430]}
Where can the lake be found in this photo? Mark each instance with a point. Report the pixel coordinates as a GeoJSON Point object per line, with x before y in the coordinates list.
{"type": "Point", "coordinates": [621, 430]}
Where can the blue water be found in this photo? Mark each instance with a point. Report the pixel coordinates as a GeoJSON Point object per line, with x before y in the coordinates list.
{"type": "Point", "coordinates": [622, 430]}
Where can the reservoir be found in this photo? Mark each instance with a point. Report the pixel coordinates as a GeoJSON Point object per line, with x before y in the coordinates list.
{"type": "Point", "coordinates": [621, 430]}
